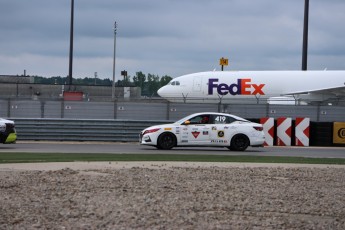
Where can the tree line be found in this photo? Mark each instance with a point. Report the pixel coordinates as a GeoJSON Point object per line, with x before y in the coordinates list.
{"type": "Point", "coordinates": [149, 83]}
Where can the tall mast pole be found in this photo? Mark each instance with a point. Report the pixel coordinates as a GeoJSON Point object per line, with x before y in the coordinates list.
{"type": "Point", "coordinates": [305, 36]}
{"type": "Point", "coordinates": [71, 46]}
{"type": "Point", "coordinates": [113, 86]}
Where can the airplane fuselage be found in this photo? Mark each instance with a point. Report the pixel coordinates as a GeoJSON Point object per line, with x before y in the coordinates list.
{"type": "Point", "coordinates": [256, 85]}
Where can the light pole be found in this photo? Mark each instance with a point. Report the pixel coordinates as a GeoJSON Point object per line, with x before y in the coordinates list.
{"type": "Point", "coordinates": [305, 36]}
{"type": "Point", "coordinates": [70, 71]}
{"type": "Point", "coordinates": [113, 86]}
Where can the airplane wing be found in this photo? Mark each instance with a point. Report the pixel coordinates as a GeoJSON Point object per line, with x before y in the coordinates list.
{"type": "Point", "coordinates": [335, 91]}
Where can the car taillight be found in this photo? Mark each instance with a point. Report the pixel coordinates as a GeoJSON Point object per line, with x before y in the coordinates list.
{"type": "Point", "coordinates": [258, 128]}
{"type": "Point", "coordinates": [151, 131]}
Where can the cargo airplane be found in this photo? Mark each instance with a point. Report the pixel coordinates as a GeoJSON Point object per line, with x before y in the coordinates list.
{"type": "Point", "coordinates": [275, 87]}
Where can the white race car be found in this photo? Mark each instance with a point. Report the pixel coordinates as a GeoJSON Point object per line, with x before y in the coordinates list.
{"type": "Point", "coordinates": [205, 129]}
{"type": "Point", "coordinates": [8, 133]}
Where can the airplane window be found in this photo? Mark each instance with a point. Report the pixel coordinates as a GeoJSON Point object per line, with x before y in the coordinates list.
{"type": "Point", "coordinates": [174, 83]}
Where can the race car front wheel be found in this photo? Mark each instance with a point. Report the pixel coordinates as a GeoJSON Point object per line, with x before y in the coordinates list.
{"type": "Point", "coordinates": [166, 141]}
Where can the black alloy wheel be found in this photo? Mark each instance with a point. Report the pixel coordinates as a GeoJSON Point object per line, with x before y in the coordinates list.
{"type": "Point", "coordinates": [239, 142]}
{"type": "Point", "coordinates": [166, 141]}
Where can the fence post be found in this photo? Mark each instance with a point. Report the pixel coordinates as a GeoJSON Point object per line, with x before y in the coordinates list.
{"type": "Point", "coordinates": [318, 111]}
{"type": "Point", "coordinates": [9, 107]}
{"type": "Point", "coordinates": [62, 108]}
{"type": "Point", "coordinates": [115, 110]}
{"type": "Point", "coordinates": [267, 109]}
{"type": "Point", "coordinates": [168, 111]}
{"type": "Point", "coordinates": [42, 108]}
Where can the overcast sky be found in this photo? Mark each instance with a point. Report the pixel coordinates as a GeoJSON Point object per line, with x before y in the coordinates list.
{"type": "Point", "coordinates": [168, 37]}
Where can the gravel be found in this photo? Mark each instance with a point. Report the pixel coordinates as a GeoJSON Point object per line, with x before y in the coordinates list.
{"type": "Point", "coordinates": [169, 196]}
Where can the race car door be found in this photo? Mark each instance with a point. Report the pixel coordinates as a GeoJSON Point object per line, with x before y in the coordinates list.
{"type": "Point", "coordinates": [197, 132]}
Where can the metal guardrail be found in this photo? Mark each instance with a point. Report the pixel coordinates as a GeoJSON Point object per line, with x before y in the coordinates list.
{"type": "Point", "coordinates": [118, 130]}
{"type": "Point", "coordinates": [81, 130]}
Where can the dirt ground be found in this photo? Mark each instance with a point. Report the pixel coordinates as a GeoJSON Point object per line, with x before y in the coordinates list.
{"type": "Point", "coordinates": [171, 195]}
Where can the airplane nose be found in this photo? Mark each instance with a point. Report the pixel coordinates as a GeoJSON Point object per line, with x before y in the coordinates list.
{"type": "Point", "coordinates": [160, 91]}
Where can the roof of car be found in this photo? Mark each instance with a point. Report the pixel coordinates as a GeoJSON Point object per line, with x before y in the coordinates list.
{"type": "Point", "coordinates": [215, 113]}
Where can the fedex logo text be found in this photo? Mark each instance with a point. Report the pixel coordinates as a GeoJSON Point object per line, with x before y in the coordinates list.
{"type": "Point", "coordinates": [243, 87]}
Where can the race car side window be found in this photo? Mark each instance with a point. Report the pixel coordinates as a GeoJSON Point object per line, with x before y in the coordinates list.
{"type": "Point", "coordinates": [220, 119]}
{"type": "Point", "coordinates": [201, 119]}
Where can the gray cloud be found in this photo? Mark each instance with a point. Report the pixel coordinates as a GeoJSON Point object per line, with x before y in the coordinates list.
{"type": "Point", "coordinates": [168, 37]}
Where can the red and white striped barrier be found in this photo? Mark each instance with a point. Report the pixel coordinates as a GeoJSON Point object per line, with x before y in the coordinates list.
{"type": "Point", "coordinates": [302, 131]}
{"type": "Point", "coordinates": [268, 125]}
{"type": "Point", "coordinates": [284, 131]}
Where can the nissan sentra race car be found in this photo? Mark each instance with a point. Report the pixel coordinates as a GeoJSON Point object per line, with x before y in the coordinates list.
{"type": "Point", "coordinates": [8, 133]}
{"type": "Point", "coordinates": [205, 129]}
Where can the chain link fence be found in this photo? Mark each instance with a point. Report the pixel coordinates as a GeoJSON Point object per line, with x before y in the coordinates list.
{"type": "Point", "coordinates": [150, 109]}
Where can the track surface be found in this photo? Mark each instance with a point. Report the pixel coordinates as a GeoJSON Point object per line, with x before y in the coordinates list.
{"type": "Point", "coordinates": [117, 148]}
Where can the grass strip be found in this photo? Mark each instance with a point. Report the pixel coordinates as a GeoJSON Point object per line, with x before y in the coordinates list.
{"type": "Point", "coordinates": [70, 157]}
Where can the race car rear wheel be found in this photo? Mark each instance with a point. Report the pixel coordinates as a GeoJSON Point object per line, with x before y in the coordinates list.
{"type": "Point", "coordinates": [239, 142]}
{"type": "Point", "coordinates": [166, 141]}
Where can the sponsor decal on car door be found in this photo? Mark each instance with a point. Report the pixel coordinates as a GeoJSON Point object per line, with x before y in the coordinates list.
{"type": "Point", "coordinates": [198, 134]}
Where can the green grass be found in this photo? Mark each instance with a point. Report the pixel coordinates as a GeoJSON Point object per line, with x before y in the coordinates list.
{"type": "Point", "coordinates": [70, 157]}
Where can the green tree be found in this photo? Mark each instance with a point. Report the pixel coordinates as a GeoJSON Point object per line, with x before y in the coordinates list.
{"type": "Point", "coordinates": [153, 84]}
{"type": "Point", "coordinates": [165, 80]}
{"type": "Point", "coordinates": [126, 82]}
{"type": "Point", "coordinates": [149, 85]}
{"type": "Point", "coordinates": [139, 79]}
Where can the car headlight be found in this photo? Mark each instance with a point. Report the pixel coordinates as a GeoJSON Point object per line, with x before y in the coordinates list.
{"type": "Point", "coordinates": [151, 131]}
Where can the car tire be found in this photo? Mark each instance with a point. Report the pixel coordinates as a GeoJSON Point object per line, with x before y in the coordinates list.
{"type": "Point", "coordinates": [166, 141]}
{"type": "Point", "coordinates": [239, 142]}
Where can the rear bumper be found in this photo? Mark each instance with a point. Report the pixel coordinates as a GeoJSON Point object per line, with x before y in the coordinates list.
{"type": "Point", "coordinates": [257, 141]}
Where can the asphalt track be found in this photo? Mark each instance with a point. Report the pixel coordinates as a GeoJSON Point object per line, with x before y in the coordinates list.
{"type": "Point", "coordinates": [127, 148]}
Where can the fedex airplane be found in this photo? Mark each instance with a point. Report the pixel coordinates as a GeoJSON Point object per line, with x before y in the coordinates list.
{"type": "Point", "coordinates": [276, 87]}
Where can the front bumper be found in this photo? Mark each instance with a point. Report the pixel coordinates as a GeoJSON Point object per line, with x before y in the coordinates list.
{"type": "Point", "coordinates": [147, 139]}
{"type": "Point", "coordinates": [8, 135]}
{"type": "Point", "coordinates": [144, 139]}
{"type": "Point", "coordinates": [11, 138]}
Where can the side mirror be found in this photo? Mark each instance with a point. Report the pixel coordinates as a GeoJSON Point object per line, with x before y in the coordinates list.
{"type": "Point", "coordinates": [186, 122]}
